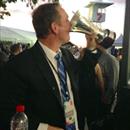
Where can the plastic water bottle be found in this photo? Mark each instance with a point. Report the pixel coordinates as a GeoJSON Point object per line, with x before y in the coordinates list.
{"type": "Point", "coordinates": [19, 121]}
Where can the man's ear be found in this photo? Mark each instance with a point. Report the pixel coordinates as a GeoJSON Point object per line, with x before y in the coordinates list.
{"type": "Point", "coordinates": [54, 28]}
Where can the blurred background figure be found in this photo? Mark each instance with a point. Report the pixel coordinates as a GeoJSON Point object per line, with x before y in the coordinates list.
{"type": "Point", "coordinates": [73, 49]}
{"type": "Point", "coordinates": [110, 69]}
{"type": "Point", "coordinates": [3, 54]}
{"type": "Point", "coordinates": [15, 49]}
{"type": "Point", "coordinates": [3, 58]}
{"type": "Point", "coordinates": [91, 82]}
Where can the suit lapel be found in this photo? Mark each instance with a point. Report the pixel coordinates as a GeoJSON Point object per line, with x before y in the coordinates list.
{"type": "Point", "coordinates": [68, 68]}
{"type": "Point", "coordinates": [46, 70]}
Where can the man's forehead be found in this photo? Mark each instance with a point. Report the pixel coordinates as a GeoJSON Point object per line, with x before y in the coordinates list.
{"type": "Point", "coordinates": [62, 11]}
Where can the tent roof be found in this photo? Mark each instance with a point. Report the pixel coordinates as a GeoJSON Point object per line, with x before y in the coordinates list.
{"type": "Point", "coordinates": [16, 35]}
{"type": "Point", "coordinates": [119, 41]}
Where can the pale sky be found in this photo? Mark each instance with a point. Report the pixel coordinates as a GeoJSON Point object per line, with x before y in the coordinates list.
{"type": "Point", "coordinates": [21, 17]}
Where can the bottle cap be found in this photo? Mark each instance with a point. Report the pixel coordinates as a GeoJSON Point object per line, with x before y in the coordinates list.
{"type": "Point", "coordinates": [20, 108]}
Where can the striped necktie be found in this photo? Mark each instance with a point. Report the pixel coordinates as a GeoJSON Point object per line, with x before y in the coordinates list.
{"type": "Point", "coordinates": [62, 77]}
{"type": "Point", "coordinates": [69, 115]}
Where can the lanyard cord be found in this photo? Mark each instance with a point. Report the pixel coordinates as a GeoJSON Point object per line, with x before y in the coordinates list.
{"type": "Point", "coordinates": [58, 73]}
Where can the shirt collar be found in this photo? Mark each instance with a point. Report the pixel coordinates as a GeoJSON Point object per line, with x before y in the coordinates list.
{"type": "Point", "coordinates": [49, 53]}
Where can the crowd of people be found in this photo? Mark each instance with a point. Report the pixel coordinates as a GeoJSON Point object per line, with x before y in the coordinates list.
{"type": "Point", "coordinates": [61, 86]}
{"type": "Point", "coordinates": [8, 51]}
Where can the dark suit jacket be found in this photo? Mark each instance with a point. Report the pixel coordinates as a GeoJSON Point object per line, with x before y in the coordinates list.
{"type": "Point", "coordinates": [28, 79]}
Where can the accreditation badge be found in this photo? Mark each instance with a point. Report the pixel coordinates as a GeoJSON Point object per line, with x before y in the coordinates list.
{"type": "Point", "coordinates": [69, 112]}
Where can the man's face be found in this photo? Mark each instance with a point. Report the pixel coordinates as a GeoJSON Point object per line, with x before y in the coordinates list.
{"type": "Point", "coordinates": [91, 42]}
{"type": "Point", "coordinates": [63, 26]}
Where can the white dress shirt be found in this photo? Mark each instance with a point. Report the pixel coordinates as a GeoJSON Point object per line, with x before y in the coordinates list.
{"type": "Point", "coordinates": [51, 57]}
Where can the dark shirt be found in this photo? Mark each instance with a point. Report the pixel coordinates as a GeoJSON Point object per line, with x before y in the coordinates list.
{"type": "Point", "coordinates": [89, 90]}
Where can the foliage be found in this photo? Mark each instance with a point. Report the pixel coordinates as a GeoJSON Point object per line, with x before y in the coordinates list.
{"type": "Point", "coordinates": [3, 4]}
{"type": "Point", "coordinates": [3, 10]}
{"type": "Point", "coordinates": [34, 1]}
